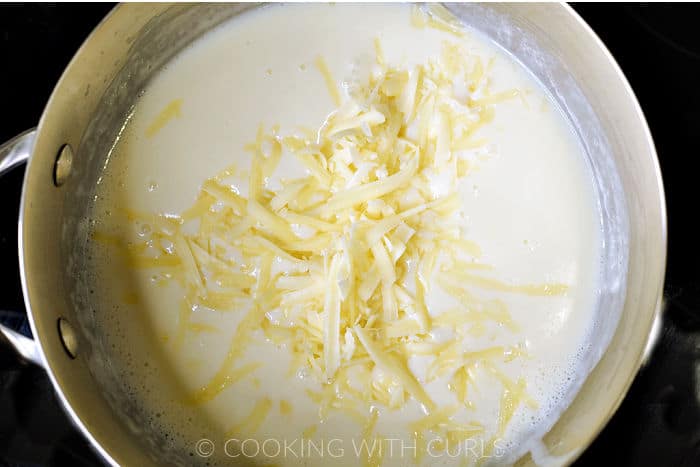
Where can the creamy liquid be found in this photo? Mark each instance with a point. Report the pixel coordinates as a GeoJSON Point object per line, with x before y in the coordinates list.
{"type": "Point", "coordinates": [531, 208]}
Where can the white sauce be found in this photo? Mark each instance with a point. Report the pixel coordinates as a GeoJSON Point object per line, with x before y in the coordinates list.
{"type": "Point", "coordinates": [531, 208]}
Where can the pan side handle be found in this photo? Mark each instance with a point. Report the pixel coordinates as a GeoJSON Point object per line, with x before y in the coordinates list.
{"type": "Point", "coordinates": [16, 151]}
{"type": "Point", "coordinates": [13, 153]}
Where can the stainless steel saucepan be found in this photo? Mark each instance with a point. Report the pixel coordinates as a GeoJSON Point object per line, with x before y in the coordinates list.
{"type": "Point", "coordinates": [94, 96]}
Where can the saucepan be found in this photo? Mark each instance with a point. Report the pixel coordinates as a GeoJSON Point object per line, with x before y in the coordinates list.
{"type": "Point", "coordinates": [95, 95]}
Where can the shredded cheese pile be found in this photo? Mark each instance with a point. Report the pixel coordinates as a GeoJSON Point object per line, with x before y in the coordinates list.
{"type": "Point", "coordinates": [337, 265]}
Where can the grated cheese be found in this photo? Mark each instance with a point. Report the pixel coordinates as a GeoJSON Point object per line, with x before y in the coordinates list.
{"type": "Point", "coordinates": [172, 110]}
{"type": "Point", "coordinates": [253, 421]}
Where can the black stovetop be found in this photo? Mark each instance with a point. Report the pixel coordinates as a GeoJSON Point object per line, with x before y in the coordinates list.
{"type": "Point", "coordinates": [658, 48]}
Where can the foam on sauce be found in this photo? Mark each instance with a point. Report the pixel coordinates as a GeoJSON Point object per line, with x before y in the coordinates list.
{"type": "Point", "coordinates": [530, 207]}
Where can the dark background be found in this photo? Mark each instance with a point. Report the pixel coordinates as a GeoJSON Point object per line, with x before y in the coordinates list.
{"type": "Point", "coordinates": [658, 48]}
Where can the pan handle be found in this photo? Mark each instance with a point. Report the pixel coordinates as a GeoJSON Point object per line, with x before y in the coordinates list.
{"type": "Point", "coordinates": [13, 153]}
{"type": "Point", "coordinates": [25, 347]}
{"type": "Point", "coordinates": [16, 151]}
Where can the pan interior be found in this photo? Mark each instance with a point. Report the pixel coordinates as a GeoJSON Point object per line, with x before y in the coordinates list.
{"type": "Point", "coordinates": [170, 33]}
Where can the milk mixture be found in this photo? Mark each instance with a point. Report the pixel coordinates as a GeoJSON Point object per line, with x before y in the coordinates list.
{"type": "Point", "coordinates": [406, 274]}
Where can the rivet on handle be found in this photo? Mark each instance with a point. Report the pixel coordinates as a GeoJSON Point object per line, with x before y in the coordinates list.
{"type": "Point", "coordinates": [68, 337]}
{"type": "Point", "coordinates": [63, 164]}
